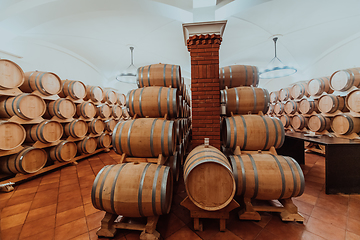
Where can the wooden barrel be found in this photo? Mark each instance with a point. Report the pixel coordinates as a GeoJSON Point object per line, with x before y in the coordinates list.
{"type": "Point", "coordinates": [299, 122]}
{"type": "Point", "coordinates": [207, 171]}
{"type": "Point", "coordinates": [345, 124]}
{"type": "Point", "coordinates": [164, 75]}
{"type": "Point", "coordinates": [319, 123]}
{"type": "Point", "coordinates": [77, 128]}
{"type": "Point", "coordinates": [46, 132]}
{"type": "Point", "coordinates": [26, 106]}
{"type": "Point", "coordinates": [331, 103]}
{"type": "Point", "coordinates": [11, 75]}
{"type": "Point", "coordinates": [104, 140]}
{"type": "Point", "coordinates": [125, 113]}
{"type": "Point", "coordinates": [63, 152]}
{"type": "Point", "coordinates": [96, 126]}
{"type": "Point", "coordinates": [103, 110]}
{"type": "Point", "coordinates": [87, 145]}
{"type": "Point", "coordinates": [299, 90]}
{"type": "Point", "coordinates": [73, 89]}
{"type": "Point", "coordinates": [279, 108]}
{"type": "Point", "coordinates": [252, 132]}
{"type": "Point", "coordinates": [110, 124]}
{"type": "Point", "coordinates": [238, 76]}
{"type": "Point", "coordinates": [284, 94]}
{"type": "Point", "coordinates": [308, 106]}
{"type": "Point", "coordinates": [28, 160]}
{"type": "Point", "coordinates": [133, 189]}
{"type": "Point", "coordinates": [352, 101]}
{"type": "Point", "coordinates": [318, 86]}
{"type": "Point", "coordinates": [309, 144]}
{"type": "Point", "coordinates": [145, 137]}
{"type": "Point", "coordinates": [121, 99]}
{"type": "Point", "coordinates": [285, 120]}
{"type": "Point", "coordinates": [47, 83]}
{"type": "Point", "coordinates": [267, 176]}
{"type": "Point", "coordinates": [86, 110]}
{"type": "Point", "coordinates": [116, 111]}
{"type": "Point", "coordinates": [271, 109]}
{"type": "Point", "coordinates": [110, 96]}
{"type": "Point", "coordinates": [243, 100]}
{"type": "Point", "coordinates": [274, 96]}
{"type": "Point", "coordinates": [291, 107]}
{"type": "Point", "coordinates": [153, 102]}
{"type": "Point", "coordinates": [174, 163]}
{"type": "Point", "coordinates": [94, 93]}
{"type": "Point", "coordinates": [62, 108]}
{"type": "Point", "coordinates": [12, 135]}
{"type": "Point", "coordinates": [343, 80]}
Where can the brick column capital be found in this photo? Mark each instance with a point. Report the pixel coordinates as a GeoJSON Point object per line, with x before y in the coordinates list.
{"type": "Point", "coordinates": [203, 39]}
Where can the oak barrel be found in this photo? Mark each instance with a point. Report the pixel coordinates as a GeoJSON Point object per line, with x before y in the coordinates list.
{"type": "Point", "coordinates": [319, 123]}
{"type": "Point", "coordinates": [243, 100]}
{"type": "Point", "coordinates": [12, 135]}
{"type": "Point", "coordinates": [331, 103]}
{"type": "Point", "coordinates": [343, 80]}
{"type": "Point", "coordinates": [86, 110]}
{"type": "Point", "coordinates": [318, 86]}
{"type": "Point", "coordinates": [96, 126]}
{"type": "Point", "coordinates": [94, 93]}
{"type": "Point", "coordinates": [11, 75]}
{"type": "Point", "coordinates": [271, 109]}
{"type": "Point", "coordinates": [46, 132]}
{"type": "Point", "coordinates": [238, 76]}
{"type": "Point", "coordinates": [153, 102]}
{"type": "Point", "coordinates": [116, 111]}
{"type": "Point", "coordinates": [299, 122]}
{"type": "Point", "coordinates": [47, 83]}
{"type": "Point", "coordinates": [26, 106]}
{"type": "Point", "coordinates": [103, 110]}
{"type": "Point", "coordinates": [133, 189]}
{"type": "Point", "coordinates": [279, 108]}
{"type": "Point", "coordinates": [110, 96]}
{"type": "Point", "coordinates": [206, 172]}
{"type": "Point", "coordinates": [164, 75]}
{"type": "Point", "coordinates": [267, 176]}
{"type": "Point", "coordinates": [73, 89]}
{"type": "Point", "coordinates": [352, 101]}
{"type": "Point", "coordinates": [63, 152]}
{"type": "Point", "coordinates": [121, 99]}
{"type": "Point", "coordinates": [291, 107]}
{"type": "Point", "coordinates": [299, 90]}
{"type": "Point", "coordinates": [308, 106]}
{"type": "Point", "coordinates": [145, 137]}
{"type": "Point", "coordinates": [62, 108]}
{"type": "Point", "coordinates": [284, 94]}
{"type": "Point", "coordinates": [104, 140]}
{"type": "Point", "coordinates": [174, 163]}
{"type": "Point", "coordinates": [87, 145]}
{"type": "Point", "coordinates": [28, 160]}
{"type": "Point", "coordinates": [252, 132]}
{"type": "Point", "coordinates": [77, 128]}
{"type": "Point", "coordinates": [110, 124]}
{"type": "Point", "coordinates": [125, 113]}
{"type": "Point", "coordinates": [285, 120]}
{"type": "Point", "coordinates": [345, 124]}
{"type": "Point", "coordinates": [274, 96]}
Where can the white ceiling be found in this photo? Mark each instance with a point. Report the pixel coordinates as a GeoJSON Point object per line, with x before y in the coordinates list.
{"type": "Point", "coordinates": [98, 33]}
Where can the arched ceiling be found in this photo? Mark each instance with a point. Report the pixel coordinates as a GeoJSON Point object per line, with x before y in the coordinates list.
{"type": "Point", "coordinates": [99, 33]}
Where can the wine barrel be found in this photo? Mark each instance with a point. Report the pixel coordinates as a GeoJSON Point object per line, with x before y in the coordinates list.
{"type": "Point", "coordinates": [47, 83]}
{"type": "Point", "coordinates": [110, 124]}
{"type": "Point", "coordinates": [94, 93]}
{"type": "Point", "coordinates": [47, 131]}
{"type": "Point", "coordinates": [73, 89]}
{"type": "Point", "coordinates": [284, 94]}
{"type": "Point", "coordinates": [285, 120]}
{"type": "Point", "coordinates": [238, 76]}
{"type": "Point", "coordinates": [77, 128]}
{"type": "Point", "coordinates": [11, 75]}
{"type": "Point", "coordinates": [243, 100]}
{"type": "Point", "coordinates": [318, 86]}
{"type": "Point", "coordinates": [352, 101]}
{"type": "Point", "coordinates": [116, 111]}
{"type": "Point", "coordinates": [252, 132]}
{"type": "Point", "coordinates": [299, 90]}
{"type": "Point", "coordinates": [121, 99]}
{"type": "Point", "coordinates": [103, 110]}
{"type": "Point", "coordinates": [153, 102]}
{"type": "Point", "coordinates": [164, 75]}
{"type": "Point", "coordinates": [319, 123]}
{"type": "Point", "coordinates": [133, 189]}
{"type": "Point", "coordinates": [174, 163]}
{"type": "Point", "coordinates": [267, 176]}
{"type": "Point", "coordinates": [291, 107]}
{"type": "Point", "coordinates": [86, 110]}
{"type": "Point", "coordinates": [63, 152]}
{"type": "Point", "coordinates": [271, 109]}
{"type": "Point", "coordinates": [343, 80]}
{"type": "Point", "coordinates": [207, 171]}
{"type": "Point", "coordinates": [12, 135]}
{"type": "Point", "coordinates": [110, 96]}
{"type": "Point", "coordinates": [28, 160]}
{"type": "Point", "coordinates": [274, 96]}
{"type": "Point", "coordinates": [145, 137]}
{"type": "Point", "coordinates": [345, 124]}
{"type": "Point", "coordinates": [26, 106]}
{"type": "Point", "coordinates": [87, 145]}
{"type": "Point", "coordinates": [104, 140]}
{"type": "Point", "coordinates": [62, 108]}
{"type": "Point", "coordinates": [125, 113]}
{"type": "Point", "coordinates": [279, 108]}
{"type": "Point", "coordinates": [299, 122]}
{"type": "Point", "coordinates": [308, 106]}
{"type": "Point", "coordinates": [331, 103]}
{"type": "Point", "coordinates": [96, 126]}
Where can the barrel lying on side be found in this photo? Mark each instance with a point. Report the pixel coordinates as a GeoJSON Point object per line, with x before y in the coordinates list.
{"type": "Point", "coordinates": [164, 75]}
{"type": "Point", "coordinates": [345, 124]}
{"type": "Point", "coordinates": [104, 140]}
{"type": "Point", "coordinates": [343, 80]}
{"type": "Point", "coordinates": [86, 110]}
{"type": "Point", "coordinates": [352, 101]}
{"type": "Point", "coordinates": [238, 76]}
{"type": "Point", "coordinates": [73, 89]}
{"type": "Point", "coordinates": [76, 128]}
{"type": "Point", "coordinates": [308, 106]}
{"type": "Point", "coordinates": [299, 122]}
{"type": "Point", "coordinates": [47, 83]}
{"type": "Point", "coordinates": [318, 86]}
{"type": "Point", "coordinates": [319, 123]}
{"type": "Point", "coordinates": [279, 108]}
{"type": "Point", "coordinates": [116, 111]}
{"type": "Point", "coordinates": [11, 74]}
{"type": "Point", "coordinates": [110, 96]}
{"type": "Point", "coordinates": [286, 120]}
{"type": "Point", "coordinates": [274, 96]}
{"type": "Point", "coordinates": [94, 93]}
{"type": "Point", "coordinates": [133, 189]}
{"type": "Point", "coordinates": [103, 110]}
{"type": "Point", "coordinates": [331, 103]}
{"type": "Point", "coordinates": [12, 135]}
{"type": "Point", "coordinates": [291, 107]}
{"type": "Point", "coordinates": [87, 145]}
{"type": "Point", "coordinates": [63, 152]}
{"type": "Point", "coordinates": [46, 132]}
{"type": "Point", "coordinates": [62, 108]}
{"type": "Point", "coordinates": [267, 176]}
{"type": "Point", "coordinates": [110, 124]}
{"type": "Point", "coordinates": [121, 99]}
{"type": "Point", "coordinates": [284, 94]}
{"type": "Point", "coordinates": [96, 126]}
{"type": "Point", "coordinates": [299, 90]}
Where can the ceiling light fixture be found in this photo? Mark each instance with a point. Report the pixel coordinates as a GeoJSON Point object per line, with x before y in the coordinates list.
{"type": "Point", "coordinates": [276, 68]}
{"type": "Point", "coordinates": [129, 75]}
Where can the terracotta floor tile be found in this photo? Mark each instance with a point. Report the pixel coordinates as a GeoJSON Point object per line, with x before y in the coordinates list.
{"type": "Point", "coordinates": [50, 180]}
{"type": "Point", "coordinates": [11, 233]}
{"type": "Point", "coordinates": [3, 204]}
{"type": "Point", "coordinates": [335, 198]}
{"type": "Point", "coordinates": [44, 200]}
{"type": "Point", "coordinates": [25, 191]}
{"type": "Point", "coordinates": [30, 184]}
{"type": "Point", "coordinates": [266, 235]}
{"type": "Point", "coordinates": [84, 236]}
{"type": "Point", "coordinates": [20, 199]}
{"type": "Point", "coordinates": [333, 218]}
{"type": "Point", "coordinates": [168, 224]}
{"type": "Point", "coordinates": [310, 236]}
{"type": "Point", "coordinates": [325, 230]}
{"type": "Point", "coordinates": [94, 220]}
{"type": "Point", "coordinates": [210, 228]}
{"type": "Point", "coordinates": [69, 188]}
{"type": "Point", "coordinates": [265, 219]}
{"type": "Point", "coordinates": [287, 230]}
{"type": "Point", "coordinates": [50, 193]}
{"type": "Point", "coordinates": [69, 182]}
{"type": "Point", "coordinates": [184, 233]}
{"type": "Point", "coordinates": [354, 203]}
{"type": "Point", "coordinates": [303, 206]}
{"type": "Point", "coordinates": [67, 196]}
{"type": "Point", "coordinates": [307, 199]}
{"type": "Point", "coordinates": [134, 235]}
{"type": "Point", "coordinates": [89, 209]}
{"type": "Point", "coordinates": [71, 229]}
{"type": "Point", "coordinates": [312, 191]}
{"type": "Point", "coordinates": [311, 178]}
{"type": "Point", "coordinates": [47, 234]}
{"type": "Point", "coordinates": [12, 221]}
{"type": "Point", "coordinates": [353, 226]}
{"type": "Point", "coordinates": [333, 206]}
{"type": "Point", "coordinates": [15, 209]}
{"type": "Point", "coordinates": [41, 212]}
{"type": "Point", "coordinates": [49, 186]}
{"type": "Point", "coordinates": [351, 236]}
{"type": "Point", "coordinates": [93, 236]}
{"type": "Point", "coordinates": [69, 215]}
{"type": "Point", "coordinates": [37, 226]}
{"type": "Point", "coordinates": [244, 229]}
{"type": "Point", "coordinates": [4, 196]}
{"type": "Point", "coordinates": [67, 205]}
{"type": "Point", "coordinates": [225, 235]}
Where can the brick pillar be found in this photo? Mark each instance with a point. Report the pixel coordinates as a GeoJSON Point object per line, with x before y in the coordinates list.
{"type": "Point", "coordinates": [205, 88]}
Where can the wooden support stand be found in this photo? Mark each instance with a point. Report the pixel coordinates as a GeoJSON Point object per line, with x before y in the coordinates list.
{"type": "Point", "coordinates": [23, 121]}
{"type": "Point", "coordinates": [197, 213]}
{"type": "Point", "coordinates": [45, 97]}
{"type": "Point", "coordinates": [161, 160]}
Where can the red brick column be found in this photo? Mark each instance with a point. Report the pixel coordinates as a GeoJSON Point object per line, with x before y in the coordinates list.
{"type": "Point", "coordinates": [205, 88]}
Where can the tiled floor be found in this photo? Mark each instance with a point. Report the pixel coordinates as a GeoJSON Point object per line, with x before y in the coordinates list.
{"type": "Point", "coordinates": [58, 206]}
